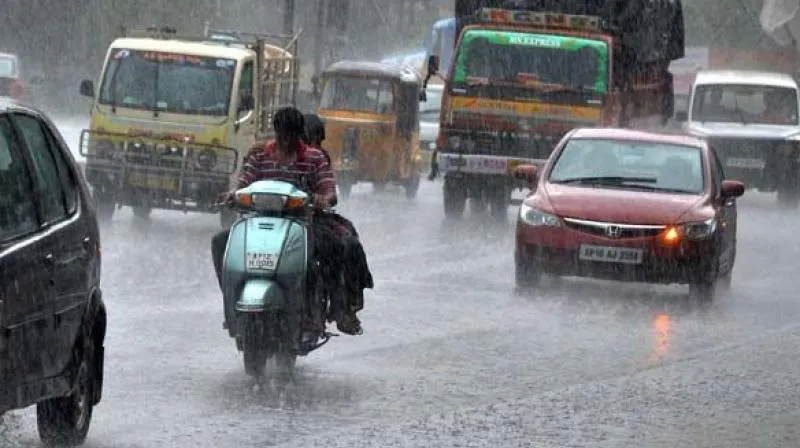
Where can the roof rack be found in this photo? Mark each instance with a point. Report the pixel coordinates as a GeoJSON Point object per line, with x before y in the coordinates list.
{"type": "Point", "coordinates": [246, 38]}
{"type": "Point", "coordinates": [154, 32]}
{"type": "Point", "coordinates": [211, 35]}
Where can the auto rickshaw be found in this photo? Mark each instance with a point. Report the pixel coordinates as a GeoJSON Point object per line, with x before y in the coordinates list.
{"type": "Point", "coordinates": [371, 115]}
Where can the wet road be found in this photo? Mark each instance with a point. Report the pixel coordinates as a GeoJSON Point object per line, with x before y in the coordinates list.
{"type": "Point", "coordinates": [450, 355]}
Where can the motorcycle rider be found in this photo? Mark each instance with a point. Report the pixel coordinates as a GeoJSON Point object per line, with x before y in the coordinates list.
{"type": "Point", "coordinates": [358, 275]}
{"type": "Point", "coordinates": [288, 158]}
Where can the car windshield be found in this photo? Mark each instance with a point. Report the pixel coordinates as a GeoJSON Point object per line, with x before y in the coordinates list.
{"type": "Point", "coordinates": [176, 83]}
{"type": "Point", "coordinates": [733, 103]}
{"type": "Point", "coordinates": [358, 94]}
{"type": "Point", "coordinates": [429, 110]}
{"type": "Point", "coordinates": [630, 165]}
{"type": "Point", "coordinates": [536, 60]}
{"type": "Point", "coordinates": [8, 67]}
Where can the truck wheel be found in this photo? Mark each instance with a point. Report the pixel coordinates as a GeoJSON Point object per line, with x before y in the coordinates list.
{"type": "Point", "coordinates": [64, 421]}
{"type": "Point", "coordinates": [789, 196]}
{"type": "Point", "coordinates": [412, 186]}
{"type": "Point", "coordinates": [455, 198]}
{"type": "Point", "coordinates": [142, 212]}
{"type": "Point", "coordinates": [105, 205]}
{"type": "Point", "coordinates": [498, 202]}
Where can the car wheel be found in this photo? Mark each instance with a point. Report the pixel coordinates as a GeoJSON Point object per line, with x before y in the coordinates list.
{"type": "Point", "coordinates": [703, 288]}
{"type": "Point", "coordinates": [455, 198]}
{"type": "Point", "coordinates": [526, 276]}
{"type": "Point", "coordinates": [64, 421]}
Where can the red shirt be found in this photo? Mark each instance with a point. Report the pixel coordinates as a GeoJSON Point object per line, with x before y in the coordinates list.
{"type": "Point", "coordinates": [309, 163]}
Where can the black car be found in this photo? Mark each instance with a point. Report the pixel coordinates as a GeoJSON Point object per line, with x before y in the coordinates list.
{"type": "Point", "coordinates": [52, 316]}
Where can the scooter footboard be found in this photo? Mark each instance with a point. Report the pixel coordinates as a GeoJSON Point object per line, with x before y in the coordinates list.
{"type": "Point", "coordinates": [259, 295]}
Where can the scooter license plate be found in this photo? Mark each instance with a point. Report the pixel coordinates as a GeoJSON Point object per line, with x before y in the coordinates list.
{"type": "Point", "coordinates": [262, 261]}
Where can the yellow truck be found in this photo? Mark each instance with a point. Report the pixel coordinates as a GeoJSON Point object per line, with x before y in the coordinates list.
{"type": "Point", "coordinates": [173, 116]}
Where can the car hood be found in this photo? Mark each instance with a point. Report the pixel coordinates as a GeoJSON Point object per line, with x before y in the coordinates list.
{"type": "Point", "coordinates": [739, 130]}
{"type": "Point", "coordinates": [619, 206]}
{"type": "Point", "coordinates": [428, 131]}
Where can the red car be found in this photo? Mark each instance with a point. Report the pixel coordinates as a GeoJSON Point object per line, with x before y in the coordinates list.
{"type": "Point", "coordinates": [627, 205]}
{"type": "Point", "coordinates": [11, 84]}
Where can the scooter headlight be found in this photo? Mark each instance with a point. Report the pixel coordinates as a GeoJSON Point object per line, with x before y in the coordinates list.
{"type": "Point", "coordinates": [261, 202]}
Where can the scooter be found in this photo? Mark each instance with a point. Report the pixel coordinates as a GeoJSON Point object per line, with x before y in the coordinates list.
{"type": "Point", "coordinates": [272, 284]}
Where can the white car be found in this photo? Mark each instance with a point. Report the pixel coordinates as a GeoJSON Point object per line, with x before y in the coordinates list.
{"type": "Point", "coordinates": [429, 117]}
{"type": "Point", "coordinates": [751, 119]}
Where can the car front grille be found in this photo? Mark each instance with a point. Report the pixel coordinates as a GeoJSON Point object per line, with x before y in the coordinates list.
{"type": "Point", "coordinates": [623, 231]}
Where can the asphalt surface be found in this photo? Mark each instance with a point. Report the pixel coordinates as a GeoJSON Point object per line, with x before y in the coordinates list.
{"type": "Point", "coordinates": [451, 356]}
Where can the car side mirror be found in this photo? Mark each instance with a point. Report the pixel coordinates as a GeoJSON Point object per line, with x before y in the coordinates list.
{"type": "Point", "coordinates": [681, 116]}
{"type": "Point", "coordinates": [87, 88]}
{"type": "Point", "coordinates": [527, 173]}
{"type": "Point", "coordinates": [423, 97]}
{"type": "Point", "coordinates": [433, 65]}
{"type": "Point", "coordinates": [732, 189]}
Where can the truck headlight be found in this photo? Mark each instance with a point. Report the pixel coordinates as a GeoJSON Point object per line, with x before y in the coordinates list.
{"type": "Point", "coordinates": [537, 218]}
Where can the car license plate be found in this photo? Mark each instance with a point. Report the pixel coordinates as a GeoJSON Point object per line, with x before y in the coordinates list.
{"type": "Point", "coordinates": [735, 162]}
{"type": "Point", "coordinates": [152, 182]}
{"type": "Point", "coordinates": [624, 255]}
{"type": "Point", "coordinates": [262, 261]}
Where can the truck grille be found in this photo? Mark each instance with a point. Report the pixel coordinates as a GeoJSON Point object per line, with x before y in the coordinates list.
{"type": "Point", "coordinates": [490, 144]}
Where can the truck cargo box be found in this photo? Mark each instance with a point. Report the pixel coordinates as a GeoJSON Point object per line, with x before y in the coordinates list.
{"type": "Point", "coordinates": [650, 30]}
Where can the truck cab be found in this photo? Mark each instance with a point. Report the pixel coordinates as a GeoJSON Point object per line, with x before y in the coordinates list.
{"type": "Point", "coordinates": [751, 119]}
{"type": "Point", "coordinates": [524, 74]}
{"type": "Point", "coordinates": [173, 116]}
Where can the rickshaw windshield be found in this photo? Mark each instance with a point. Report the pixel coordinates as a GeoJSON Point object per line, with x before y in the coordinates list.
{"type": "Point", "coordinates": [358, 94]}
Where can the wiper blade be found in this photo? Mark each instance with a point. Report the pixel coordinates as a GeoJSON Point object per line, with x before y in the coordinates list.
{"type": "Point", "coordinates": [611, 180]}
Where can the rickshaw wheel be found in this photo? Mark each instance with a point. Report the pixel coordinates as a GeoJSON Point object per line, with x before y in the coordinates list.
{"type": "Point", "coordinates": [412, 187]}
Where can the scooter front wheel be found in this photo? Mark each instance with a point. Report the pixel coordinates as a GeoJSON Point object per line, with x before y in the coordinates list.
{"type": "Point", "coordinates": [255, 353]}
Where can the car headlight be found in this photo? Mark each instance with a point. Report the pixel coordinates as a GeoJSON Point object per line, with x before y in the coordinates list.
{"type": "Point", "coordinates": [700, 230]}
{"type": "Point", "coordinates": [431, 146]}
{"type": "Point", "coordinates": [537, 218]}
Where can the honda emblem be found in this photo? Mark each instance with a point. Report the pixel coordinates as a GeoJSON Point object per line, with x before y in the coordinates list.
{"type": "Point", "coordinates": [613, 231]}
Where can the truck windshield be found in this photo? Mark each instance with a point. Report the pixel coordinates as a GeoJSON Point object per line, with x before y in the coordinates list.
{"type": "Point", "coordinates": [742, 103]}
{"type": "Point", "coordinates": [535, 60]}
{"type": "Point", "coordinates": [358, 94]}
{"type": "Point", "coordinates": [167, 82]}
